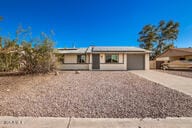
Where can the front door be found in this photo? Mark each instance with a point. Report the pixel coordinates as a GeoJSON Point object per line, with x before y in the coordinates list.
{"type": "Point", "coordinates": [95, 61]}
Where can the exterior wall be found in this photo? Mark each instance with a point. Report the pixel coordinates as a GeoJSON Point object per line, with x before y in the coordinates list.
{"type": "Point", "coordinates": [112, 67]}
{"type": "Point", "coordinates": [73, 66]}
{"type": "Point", "coordinates": [71, 62]}
{"type": "Point", "coordinates": [188, 57]}
{"type": "Point", "coordinates": [102, 57]}
{"type": "Point", "coordinates": [178, 57]}
{"type": "Point", "coordinates": [163, 59]}
{"type": "Point", "coordinates": [119, 66]}
{"type": "Point", "coordinates": [125, 61]}
{"type": "Point", "coordinates": [90, 62]}
{"type": "Point", "coordinates": [152, 64]}
{"type": "Point", "coordinates": [87, 58]}
{"type": "Point", "coordinates": [146, 61]}
{"type": "Point", "coordinates": [70, 58]}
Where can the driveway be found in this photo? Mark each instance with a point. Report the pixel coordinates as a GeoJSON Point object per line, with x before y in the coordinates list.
{"type": "Point", "coordinates": [183, 73]}
{"type": "Point", "coordinates": [178, 83]}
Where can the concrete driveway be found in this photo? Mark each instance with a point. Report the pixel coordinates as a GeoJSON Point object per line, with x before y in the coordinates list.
{"type": "Point", "coordinates": [178, 83]}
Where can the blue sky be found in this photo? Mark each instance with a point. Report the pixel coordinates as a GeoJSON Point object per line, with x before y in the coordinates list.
{"type": "Point", "coordinates": [95, 22]}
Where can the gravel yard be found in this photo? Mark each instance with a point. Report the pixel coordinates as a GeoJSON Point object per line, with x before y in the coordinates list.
{"type": "Point", "coordinates": [112, 94]}
{"type": "Point", "coordinates": [178, 73]}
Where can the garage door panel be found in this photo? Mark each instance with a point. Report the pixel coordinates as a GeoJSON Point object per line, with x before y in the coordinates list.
{"type": "Point", "coordinates": [135, 62]}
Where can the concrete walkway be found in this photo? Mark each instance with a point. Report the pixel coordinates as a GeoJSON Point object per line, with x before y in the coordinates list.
{"type": "Point", "coordinates": [50, 122]}
{"type": "Point", "coordinates": [178, 83]}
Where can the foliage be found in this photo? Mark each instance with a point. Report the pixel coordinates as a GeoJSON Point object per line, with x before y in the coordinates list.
{"type": "Point", "coordinates": [25, 54]}
{"type": "Point", "coordinates": [158, 38]}
{"type": "Point", "coordinates": [60, 58]}
{"type": "Point", "coordinates": [148, 36]}
{"type": "Point", "coordinates": [38, 59]}
{"type": "Point", "coordinates": [9, 55]}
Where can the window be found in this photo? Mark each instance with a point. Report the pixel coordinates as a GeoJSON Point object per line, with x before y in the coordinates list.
{"type": "Point", "coordinates": [111, 58]}
{"type": "Point", "coordinates": [80, 58]}
{"type": "Point", "coordinates": [181, 58]}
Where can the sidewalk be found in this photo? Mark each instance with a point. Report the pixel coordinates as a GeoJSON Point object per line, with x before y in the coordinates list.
{"type": "Point", "coordinates": [178, 83]}
{"type": "Point", "coordinates": [51, 122]}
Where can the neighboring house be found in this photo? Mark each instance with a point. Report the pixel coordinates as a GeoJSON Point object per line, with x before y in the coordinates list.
{"type": "Point", "coordinates": [104, 58]}
{"type": "Point", "coordinates": [171, 54]}
{"type": "Point", "coordinates": [176, 54]}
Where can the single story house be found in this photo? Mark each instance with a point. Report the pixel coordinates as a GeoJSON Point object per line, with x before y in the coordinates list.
{"type": "Point", "coordinates": [176, 54]}
{"type": "Point", "coordinates": [103, 58]}
{"type": "Point", "coordinates": [171, 55]}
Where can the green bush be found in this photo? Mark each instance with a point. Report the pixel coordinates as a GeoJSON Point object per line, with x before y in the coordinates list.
{"type": "Point", "coordinates": [37, 59]}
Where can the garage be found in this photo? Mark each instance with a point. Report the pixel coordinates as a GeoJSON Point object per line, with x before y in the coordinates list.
{"type": "Point", "coordinates": [135, 62]}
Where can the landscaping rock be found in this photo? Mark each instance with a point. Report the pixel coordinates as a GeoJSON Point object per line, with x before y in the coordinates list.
{"type": "Point", "coordinates": [95, 94]}
{"type": "Point", "coordinates": [56, 73]}
{"type": "Point", "coordinates": [77, 72]}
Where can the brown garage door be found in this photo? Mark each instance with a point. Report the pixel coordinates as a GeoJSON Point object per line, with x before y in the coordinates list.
{"type": "Point", "coordinates": [135, 62]}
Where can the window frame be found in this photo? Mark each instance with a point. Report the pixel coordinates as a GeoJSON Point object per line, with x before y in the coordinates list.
{"type": "Point", "coordinates": [80, 62]}
{"type": "Point", "coordinates": [111, 54]}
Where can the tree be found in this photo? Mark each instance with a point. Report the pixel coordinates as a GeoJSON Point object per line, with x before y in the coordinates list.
{"type": "Point", "coordinates": [167, 33]}
{"type": "Point", "coordinates": [38, 59]}
{"type": "Point", "coordinates": [1, 43]}
{"type": "Point", "coordinates": [29, 55]}
{"type": "Point", "coordinates": [38, 55]}
{"type": "Point", "coordinates": [9, 55]}
{"type": "Point", "coordinates": [158, 38]}
{"type": "Point", "coordinates": [1, 18]}
{"type": "Point", "coordinates": [147, 37]}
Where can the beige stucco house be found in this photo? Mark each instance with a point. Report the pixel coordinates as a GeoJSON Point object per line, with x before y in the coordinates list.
{"type": "Point", "coordinates": [172, 54]}
{"type": "Point", "coordinates": [176, 54]}
{"type": "Point", "coordinates": [104, 58]}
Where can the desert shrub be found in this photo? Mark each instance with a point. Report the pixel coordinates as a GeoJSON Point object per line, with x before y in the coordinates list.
{"type": "Point", "coordinates": [9, 55]}
{"type": "Point", "coordinates": [27, 54]}
{"type": "Point", "coordinates": [38, 59]}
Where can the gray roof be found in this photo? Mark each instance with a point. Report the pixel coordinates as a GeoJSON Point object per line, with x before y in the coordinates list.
{"type": "Point", "coordinates": [118, 49]}
{"type": "Point", "coordinates": [100, 49]}
{"type": "Point", "coordinates": [72, 50]}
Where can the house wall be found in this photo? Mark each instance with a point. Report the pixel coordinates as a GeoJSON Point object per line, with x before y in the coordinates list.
{"type": "Point", "coordinates": [147, 62]}
{"type": "Point", "coordinates": [119, 66]}
{"type": "Point", "coordinates": [70, 63]}
{"type": "Point", "coordinates": [70, 58]}
{"type": "Point", "coordinates": [162, 58]}
{"type": "Point", "coordinates": [178, 57]}
{"type": "Point", "coordinates": [102, 57]}
{"type": "Point", "coordinates": [188, 57]}
{"type": "Point", "coordinates": [112, 67]}
{"type": "Point", "coordinates": [87, 58]}
{"type": "Point", "coordinates": [90, 62]}
{"type": "Point", "coordinates": [73, 66]}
